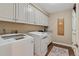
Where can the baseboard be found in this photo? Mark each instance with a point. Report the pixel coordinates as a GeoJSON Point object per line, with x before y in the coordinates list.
{"type": "Point", "coordinates": [63, 44]}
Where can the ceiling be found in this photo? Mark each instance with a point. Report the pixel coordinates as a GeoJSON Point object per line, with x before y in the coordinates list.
{"type": "Point", "coordinates": [54, 7]}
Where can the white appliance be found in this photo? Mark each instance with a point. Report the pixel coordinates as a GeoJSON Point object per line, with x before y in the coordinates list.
{"type": "Point", "coordinates": [16, 45]}
{"type": "Point", "coordinates": [40, 43]}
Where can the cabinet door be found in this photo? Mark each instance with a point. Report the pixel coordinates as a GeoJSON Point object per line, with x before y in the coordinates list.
{"type": "Point", "coordinates": [40, 18]}
{"type": "Point", "coordinates": [23, 48]}
{"type": "Point", "coordinates": [31, 14]}
{"type": "Point", "coordinates": [7, 11]}
{"type": "Point", "coordinates": [21, 12]}
{"type": "Point", "coordinates": [37, 16]}
{"type": "Point", "coordinates": [46, 20]}
{"type": "Point", "coordinates": [5, 50]}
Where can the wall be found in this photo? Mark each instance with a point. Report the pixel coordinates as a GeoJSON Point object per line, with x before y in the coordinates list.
{"type": "Point", "coordinates": [9, 27]}
{"type": "Point", "coordinates": [67, 38]}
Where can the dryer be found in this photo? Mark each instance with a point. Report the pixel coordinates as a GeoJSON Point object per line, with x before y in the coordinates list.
{"type": "Point", "coordinates": [40, 43]}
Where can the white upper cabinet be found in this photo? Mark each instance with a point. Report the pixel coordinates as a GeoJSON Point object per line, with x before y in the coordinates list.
{"type": "Point", "coordinates": [7, 11]}
{"type": "Point", "coordinates": [40, 18]}
{"type": "Point", "coordinates": [21, 13]}
{"type": "Point", "coordinates": [31, 14]}
{"type": "Point", "coordinates": [43, 19]}
{"type": "Point", "coordinates": [37, 17]}
{"type": "Point", "coordinates": [46, 20]}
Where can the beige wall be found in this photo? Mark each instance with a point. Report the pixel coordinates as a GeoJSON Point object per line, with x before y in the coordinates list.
{"type": "Point", "coordinates": [20, 27]}
{"type": "Point", "coordinates": [67, 38]}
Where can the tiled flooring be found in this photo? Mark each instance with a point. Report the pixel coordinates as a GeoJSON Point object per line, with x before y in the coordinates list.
{"type": "Point", "coordinates": [71, 53]}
